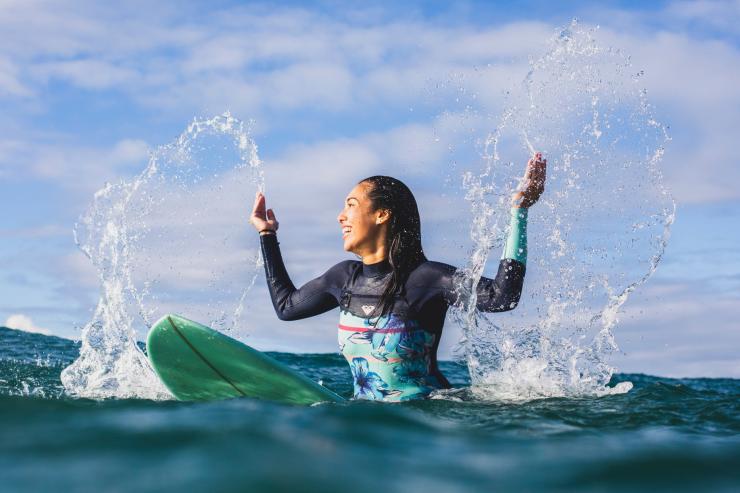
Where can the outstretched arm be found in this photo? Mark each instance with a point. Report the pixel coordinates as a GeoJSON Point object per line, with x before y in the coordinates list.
{"type": "Point", "coordinates": [502, 293]}
{"type": "Point", "coordinates": [311, 299]}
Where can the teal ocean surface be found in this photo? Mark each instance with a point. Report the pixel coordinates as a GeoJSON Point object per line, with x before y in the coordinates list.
{"type": "Point", "coordinates": [664, 435]}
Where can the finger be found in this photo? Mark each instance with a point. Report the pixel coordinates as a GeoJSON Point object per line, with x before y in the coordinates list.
{"type": "Point", "coordinates": [539, 169]}
{"type": "Point", "coordinates": [257, 199]}
{"type": "Point", "coordinates": [542, 168]}
{"type": "Point", "coordinates": [528, 170]}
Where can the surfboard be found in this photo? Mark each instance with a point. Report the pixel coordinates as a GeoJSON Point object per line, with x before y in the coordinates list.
{"type": "Point", "coordinates": [197, 363]}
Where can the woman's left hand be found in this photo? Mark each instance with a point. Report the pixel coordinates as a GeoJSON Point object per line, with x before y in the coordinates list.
{"type": "Point", "coordinates": [533, 183]}
{"type": "Point", "coordinates": [263, 219]}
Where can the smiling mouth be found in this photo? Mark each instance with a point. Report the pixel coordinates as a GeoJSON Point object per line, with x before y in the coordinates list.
{"type": "Point", "coordinates": [346, 230]}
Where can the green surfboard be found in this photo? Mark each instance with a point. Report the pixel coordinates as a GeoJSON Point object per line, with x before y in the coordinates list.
{"type": "Point", "coordinates": [197, 363]}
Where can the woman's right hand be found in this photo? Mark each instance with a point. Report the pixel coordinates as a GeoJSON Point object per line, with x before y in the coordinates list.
{"type": "Point", "coordinates": [533, 183]}
{"type": "Point", "coordinates": [262, 219]}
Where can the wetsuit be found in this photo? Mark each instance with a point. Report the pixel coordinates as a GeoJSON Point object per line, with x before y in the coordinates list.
{"type": "Point", "coordinates": [393, 357]}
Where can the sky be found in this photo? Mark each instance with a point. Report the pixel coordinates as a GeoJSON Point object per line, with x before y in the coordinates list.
{"type": "Point", "coordinates": [338, 91]}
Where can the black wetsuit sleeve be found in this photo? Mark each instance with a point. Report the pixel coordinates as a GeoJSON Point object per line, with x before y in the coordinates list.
{"type": "Point", "coordinates": [316, 296]}
{"type": "Point", "coordinates": [498, 294]}
{"type": "Point", "coordinates": [501, 293]}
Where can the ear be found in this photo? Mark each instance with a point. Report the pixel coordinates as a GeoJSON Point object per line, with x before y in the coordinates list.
{"type": "Point", "coordinates": [383, 216]}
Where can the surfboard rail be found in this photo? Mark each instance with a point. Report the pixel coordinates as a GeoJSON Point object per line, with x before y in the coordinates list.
{"type": "Point", "coordinates": [197, 363]}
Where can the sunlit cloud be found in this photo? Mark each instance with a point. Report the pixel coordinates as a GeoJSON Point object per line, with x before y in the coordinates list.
{"type": "Point", "coordinates": [22, 322]}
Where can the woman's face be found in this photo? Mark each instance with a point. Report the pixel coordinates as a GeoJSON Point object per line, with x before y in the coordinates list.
{"type": "Point", "coordinates": [362, 230]}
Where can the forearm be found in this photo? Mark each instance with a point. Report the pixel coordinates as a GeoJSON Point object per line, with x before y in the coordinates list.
{"type": "Point", "coordinates": [504, 291]}
{"type": "Point", "coordinates": [291, 303]}
{"type": "Point", "coordinates": [273, 259]}
{"type": "Point", "coordinates": [516, 243]}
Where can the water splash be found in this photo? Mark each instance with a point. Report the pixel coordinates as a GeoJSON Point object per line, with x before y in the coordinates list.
{"type": "Point", "coordinates": [598, 232]}
{"type": "Point", "coordinates": [174, 239]}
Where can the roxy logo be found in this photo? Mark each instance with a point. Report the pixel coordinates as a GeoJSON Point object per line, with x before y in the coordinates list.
{"type": "Point", "coordinates": [368, 309]}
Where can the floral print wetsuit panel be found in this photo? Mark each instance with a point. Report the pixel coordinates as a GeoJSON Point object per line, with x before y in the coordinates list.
{"type": "Point", "coordinates": [390, 359]}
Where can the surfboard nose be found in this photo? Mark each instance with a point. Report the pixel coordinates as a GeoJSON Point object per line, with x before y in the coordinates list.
{"type": "Point", "coordinates": [196, 362]}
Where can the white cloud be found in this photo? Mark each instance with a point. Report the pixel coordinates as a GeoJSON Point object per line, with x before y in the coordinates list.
{"type": "Point", "coordinates": [10, 84]}
{"type": "Point", "coordinates": [219, 53]}
{"type": "Point", "coordinates": [679, 329]}
{"type": "Point", "coordinates": [314, 169]}
{"type": "Point", "coordinates": [79, 168]}
{"type": "Point", "coordinates": [22, 322]}
{"type": "Point", "coordinates": [10, 149]}
{"type": "Point", "coordinates": [715, 14]}
{"type": "Point", "coordinates": [43, 231]}
{"type": "Point", "coordinates": [293, 58]}
{"type": "Point", "coordinates": [87, 74]}
{"type": "Point", "coordinates": [322, 85]}
{"type": "Point", "coordinates": [75, 265]}
{"type": "Point", "coordinates": [263, 62]}
{"type": "Point", "coordinates": [412, 149]}
{"type": "Point", "coordinates": [691, 79]}
{"type": "Point", "coordinates": [128, 151]}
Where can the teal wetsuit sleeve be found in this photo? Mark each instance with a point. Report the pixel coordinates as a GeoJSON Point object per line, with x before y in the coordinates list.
{"type": "Point", "coordinates": [516, 243]}
{"type": "Point", "coordinates": [503, 292]}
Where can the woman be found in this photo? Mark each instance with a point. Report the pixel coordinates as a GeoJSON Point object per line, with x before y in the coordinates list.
{"type": "Point", "coordinates": [393, 302]}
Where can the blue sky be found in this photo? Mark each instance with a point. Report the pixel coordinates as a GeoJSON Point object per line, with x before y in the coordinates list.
{"type": "Point", "coordinates": [87, 90]}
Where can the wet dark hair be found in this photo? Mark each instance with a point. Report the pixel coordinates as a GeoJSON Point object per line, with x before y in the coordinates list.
{"type": "Point", "coordinates": [404, 232]}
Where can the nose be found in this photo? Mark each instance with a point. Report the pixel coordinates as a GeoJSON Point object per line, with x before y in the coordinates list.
{"type": "Point", "coordinates": [341, 217]}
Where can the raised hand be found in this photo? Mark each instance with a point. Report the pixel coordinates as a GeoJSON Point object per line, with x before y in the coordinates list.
{"type": "Point", "coordinates": [533, 183]}
{"type": "Point", "coordinates": [262, 219]}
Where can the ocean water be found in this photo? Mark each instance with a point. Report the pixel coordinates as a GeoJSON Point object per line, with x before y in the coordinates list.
{"type": "Point", "coordinates": [663, 435]}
